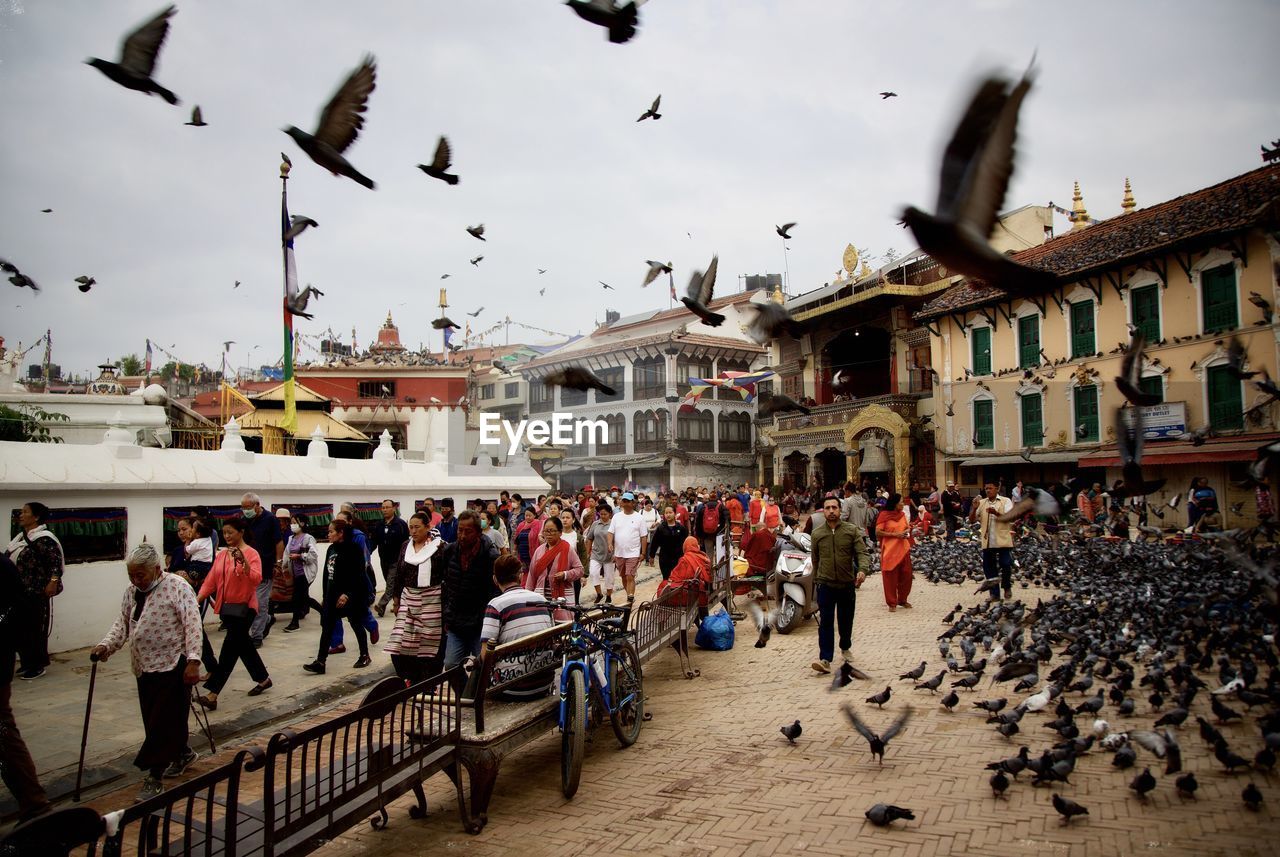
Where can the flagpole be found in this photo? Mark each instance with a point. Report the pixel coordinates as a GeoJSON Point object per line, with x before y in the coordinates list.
{"type": "Point", "coordinates": [290, 421]}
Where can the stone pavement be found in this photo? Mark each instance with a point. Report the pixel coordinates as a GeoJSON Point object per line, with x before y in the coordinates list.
{"type": "Point", "coordinates": [50, 710]}
{"type": "Point", "coordinates": [711, 775]}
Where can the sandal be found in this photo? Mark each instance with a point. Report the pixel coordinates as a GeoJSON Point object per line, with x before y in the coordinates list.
{"type": "Point", "coordinates": [258, 688]}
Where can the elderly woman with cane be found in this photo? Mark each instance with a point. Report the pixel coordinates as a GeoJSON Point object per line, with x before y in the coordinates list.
{"type": "Point", "coordinates": [160, 619]}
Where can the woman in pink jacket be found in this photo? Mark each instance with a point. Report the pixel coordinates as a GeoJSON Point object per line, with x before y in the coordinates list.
{"type": "Point", "coordinates": [554, 567]}
{"type": "Point", "coordinates": [233, 581]}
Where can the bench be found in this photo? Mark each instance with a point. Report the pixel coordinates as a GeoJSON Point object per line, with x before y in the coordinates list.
{"type": "Point", "coordinates": [315, 782]}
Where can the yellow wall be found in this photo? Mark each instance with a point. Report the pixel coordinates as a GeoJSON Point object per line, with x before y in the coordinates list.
{"type": "Point", "coordinates": [1180, 318]}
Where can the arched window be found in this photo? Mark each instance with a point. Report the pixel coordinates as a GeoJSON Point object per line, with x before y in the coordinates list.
{"type": "Point", "coordinates": [690, 367]}
{"type": "Point", "coordinates": [695, 432]}
{"type": "Point", "coordinates": [650, 378]}
{"type": "Point", "coordinates": [650, 431]}
{"type": "Point", "coordinates": [731, 366]}
{"type": "Point", "coordinates": [616, 442]}
{"type": "Point", "coordinates": [735, 431]}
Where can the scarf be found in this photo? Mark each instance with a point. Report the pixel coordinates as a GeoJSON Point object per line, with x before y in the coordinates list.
{"type": "Point", "coordinates": [544, 567]}
{"type": "Point", "coordinates": [419, 559]}
{"type": "Point", "coordinates": [467, 554]}
{"type": "Point", "coordinates": [19, 542]}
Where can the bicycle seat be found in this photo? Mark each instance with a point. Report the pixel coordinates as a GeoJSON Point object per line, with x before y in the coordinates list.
{"type": "Point", "coordinates": [615, 622]}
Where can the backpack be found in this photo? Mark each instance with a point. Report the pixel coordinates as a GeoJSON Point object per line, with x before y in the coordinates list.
{"type": "Point", "coordinates": [710, 517]}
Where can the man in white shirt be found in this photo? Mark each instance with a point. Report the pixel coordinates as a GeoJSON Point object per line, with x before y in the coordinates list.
{"type": "Point", "coordinates": [628, 541]}
{"type": "Point", "coordinates": [996, 538]}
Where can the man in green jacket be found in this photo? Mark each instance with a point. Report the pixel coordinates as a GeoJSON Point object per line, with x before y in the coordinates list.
{"type": "Point", "coordinates": [840, 564]}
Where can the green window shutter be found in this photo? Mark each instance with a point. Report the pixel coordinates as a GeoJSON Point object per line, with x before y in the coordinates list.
{"type": "Point", "coordinates": [1082, 341]}
{"type": "Point", "coordinates": [1218, 294]}
{"type": "Point", "coordinates": [1028, 341]}
{"type": "Point", "coordinates": [1086, 412]}
{"type": "Point", "coordinates": [1152, 385]}
{"type": "Point", "coordinates": [982, 351]}
{"type": "Point", "coordinates": [1032, 420]}
{"type": "Point", "coordinates": [1144, 306]}
{"type": "Point", "coordinates": [983, 424]}
{"type": "Point", "coordinates": [1226, 405]}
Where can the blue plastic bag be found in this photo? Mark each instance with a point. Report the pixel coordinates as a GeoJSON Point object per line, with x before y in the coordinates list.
{"type": "Point", "coordinates": [716, 633]}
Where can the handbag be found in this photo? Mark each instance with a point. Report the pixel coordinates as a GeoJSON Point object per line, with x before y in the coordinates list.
{"type": "Point", "coordinates": [236, 611]}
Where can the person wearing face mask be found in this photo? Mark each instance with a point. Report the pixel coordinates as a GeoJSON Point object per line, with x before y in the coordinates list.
{"type": "Point", "coordinates": [304, 562]}
{"type": "Point", "coordinates": [448, 524]}
{"type": "Point", "coordinates": [491, 529]}
{"type": "Point", "coordinates": [265, 536]}
{"type": "Point", "coordinates": [160, 619]}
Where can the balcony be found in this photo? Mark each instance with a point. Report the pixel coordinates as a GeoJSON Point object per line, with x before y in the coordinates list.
{"type": "Point", "coordinates": [839, 413]}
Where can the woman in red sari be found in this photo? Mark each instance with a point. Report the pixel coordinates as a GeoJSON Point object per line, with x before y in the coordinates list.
{"type": "Point", "coordinates": [554, 567]}
{"type": "Point", "coordinates": [693, 565]}
{"type": "Point", "coordinates": [893, 531]}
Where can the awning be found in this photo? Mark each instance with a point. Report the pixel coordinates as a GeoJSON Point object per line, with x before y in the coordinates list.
{"type": "Point", "coordinates": [1036, 458]}
{"type": "Point", "coordinates": [1185, 453]}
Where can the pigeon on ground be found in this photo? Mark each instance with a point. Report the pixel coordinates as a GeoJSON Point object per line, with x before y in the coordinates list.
{"type": "Point", "coordinates": [992, 706]}
{"type": "Point", "coordinates": [1186, 785]}
{"type": "Point", "coordinates": [476, 261]}
{"type": "Point", "coordinates": [298, 224]}
{"type": "Point", "coordinates": [1124, 757]}
{"type": "Point", "coordinates": [444, 322]}
{"type": "Point", "coordinates": [999, 783]}
{"type": "Point", "coordinates": [476, 231]}
{"type": "Point", "coordinates": [772, 321]}
{"type": "Point", "coordinates": [578, 378]}
{"type": "Point", "coordinates": [18, 278]}
{"type": "Point", "coordinates": [620, 19]}
{"type": "Point", "coordinates": [932, 684]}
{"type": "Point", "coordinates": [950, 701]}
{"type": "Point", "coordinates": [652, 112]}
{"type": "Point", "coordinates": [655, 268]}
{"type": "Point", "coordinates": [1067, 808]}
{"type": "Point", "coordinates": [882, 814]}
{"type": "Point", "coordinates": [700, 293]}
{"type": "Point", "coordinates": [1229, 759]}
{"type": "Point", "coordinates": [1223, 712]}
{"type": "Point", "coordinates": [1174, 717]}
{"type": "Point", "coordinates": [1143, 783]}
{"type": "Point", "coordinates": [791, 732]}
{"type": "Point", "coordinates": [976, 167]}
{"type": "Point", "coordinates": [297, 303]}
{"type": "Point", "coordinates": [784, 231]}
{"type": "Point", "coordinates": [878, 743]}
{"type": "Point", "coordinates": [197, 118]}
{"type": "Point", "coordinates": [1013, 765]}
{"type": "Point", "coordinates": [138, 57]}
{"type": "Point", "coordinates": [1252, 797]}
{"type": "Point", "coordinates": [86, 282]}
{"type": "Point", "coordinates": [340, 124]}
{"type": "Point", "coordinates": [879, 699]}
{"type": "Point", "coordinates": [440, 164]}
{"type": "Point", "coordinates": [914, 674]}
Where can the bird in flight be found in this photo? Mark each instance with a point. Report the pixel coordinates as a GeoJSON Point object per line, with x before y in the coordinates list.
{"type": "Point", "coordinates": [138, 57]}
{"type": "Point", "coordinates": [655, 268]}
{"type": "Point", "coordinates": [476, 231]}
{"type": "Point", "coordinates": [298, 224]}
{"type": "Point", "coordinates": [445, 276]}
{"type": "Point", "coordinates": [885, 95]}
{"type": "Point", "coordinates": [86, 282]}
{"type": "Point", "coordinates": [476, 260]}
{"type": "Point", "coordinates": [652, 112]}
{"type": "Point", "coordinates": [340, 124]}
{"type": "Point", "coordinates": [606, 285]}
{"type": "Point", "coordinates": [476, 313]}
{"type": "Point", "coordinates": [18, 278]}
{"type": "Point", "coordinates": [237, 285]}
{"type": "Point", "coordinates": [197, 118]}
{"type": "Point", "coordinates": [226, 346]}
{"type": "Point", "coordinates": [444, 322]}
{"type": "Point", "coordinates": [46, 211]}
{"type": "Point", "coordinates": [440, 164]}
{"type": "Point", "coordinates": [620, 19]}
{"type": "Point", "coordinates": [700, 292]}
{"type": "Point", "coordinates": [784, 230]}
{"type": "Point", "coordinates": [542, 270]}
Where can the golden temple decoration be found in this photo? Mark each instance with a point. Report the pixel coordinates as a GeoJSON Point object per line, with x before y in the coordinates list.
{"type": "Point", "coordinates": [1128, 204]}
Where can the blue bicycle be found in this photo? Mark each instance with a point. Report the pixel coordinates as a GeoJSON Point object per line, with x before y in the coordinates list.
{"type": "Point", "coordinates": [601, 675]}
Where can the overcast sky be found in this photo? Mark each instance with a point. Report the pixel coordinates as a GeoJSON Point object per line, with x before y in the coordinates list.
{"type": "Point", "coordinates": [770, 114]}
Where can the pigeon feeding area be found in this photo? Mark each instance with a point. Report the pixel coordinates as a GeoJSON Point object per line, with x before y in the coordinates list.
{"type": "Point", "coordinates": [1105, 735]}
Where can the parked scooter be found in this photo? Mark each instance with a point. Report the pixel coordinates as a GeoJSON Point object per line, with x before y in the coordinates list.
{"type": "Point", "coordinates": [793, 574]}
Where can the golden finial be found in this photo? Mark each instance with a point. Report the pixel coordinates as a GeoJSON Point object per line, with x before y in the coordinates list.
{"type": "Point", "coordinates": [1079, 216]}
{"type": "Point", "coordinates": [285, 166]}
{"type": "Point", "coordinates": [1128, 204]}
{"type": "Point", "coordinates": [778, 297]}
{"type": "Point", "coordinates": [444, 298]}
{"type": "Point", "coordinates": [388, 322]}
{"type": "Point", "coordinates": [850, 259]}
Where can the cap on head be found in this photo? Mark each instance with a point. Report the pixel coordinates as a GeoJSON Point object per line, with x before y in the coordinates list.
{"type": "Point", "coordinates": [628, 496]}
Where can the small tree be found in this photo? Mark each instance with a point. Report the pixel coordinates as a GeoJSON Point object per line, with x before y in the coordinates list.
{"type": "Point", "coordinates": [27, 423]}
{"type": "Point", "coordinates": [131, 364]}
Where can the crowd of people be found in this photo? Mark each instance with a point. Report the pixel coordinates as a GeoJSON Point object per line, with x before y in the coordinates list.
{"type": "Point", "coordinates": [459, 581]}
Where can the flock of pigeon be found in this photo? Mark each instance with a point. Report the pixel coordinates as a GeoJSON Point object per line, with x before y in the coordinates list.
{"type": "Point", "coordinates": [1141, 641]}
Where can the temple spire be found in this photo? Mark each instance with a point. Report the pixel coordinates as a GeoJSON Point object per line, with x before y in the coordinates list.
{"type": "Point", "coordinates": [1128, 205]}
{"type": "Point", "coordinates": [1079, 215]}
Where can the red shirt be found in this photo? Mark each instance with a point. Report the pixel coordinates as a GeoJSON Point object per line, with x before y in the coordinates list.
{"type": "Point", "coordinates": [682, 515]}
{"type": "Point", "coordinates": [757, 547]}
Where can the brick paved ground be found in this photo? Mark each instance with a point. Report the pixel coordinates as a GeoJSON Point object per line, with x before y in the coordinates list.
{"type": "Point", "coordinates": [711, 775]}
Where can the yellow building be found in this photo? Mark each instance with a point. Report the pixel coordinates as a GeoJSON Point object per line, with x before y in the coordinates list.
{"type": "Point", "coordinates": [1026, 387]}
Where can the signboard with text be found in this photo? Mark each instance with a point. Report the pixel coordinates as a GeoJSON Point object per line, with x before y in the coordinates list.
{"type": "Point", "coordinates": [1165, 421]}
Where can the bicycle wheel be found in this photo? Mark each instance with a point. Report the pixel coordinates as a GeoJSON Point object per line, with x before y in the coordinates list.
{"type": "Point", "coordinates": [573, 738]}
{"type": "Point", "coordinates": [626, 688]}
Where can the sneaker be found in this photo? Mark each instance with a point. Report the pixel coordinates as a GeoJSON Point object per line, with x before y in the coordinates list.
{"type": "Point", "coordinates": [151, 787]}
{"type": "Point", "coordinates": [847, 656]}
{"type": "Point", "coordinates": [177, 768]}
{"type": "Point", "coordinates": [821, 666]}
{"type": "Point", "coordinates": [337, 650]}
{"type": "Point", "coordinates": [374, 636]}
{"type": "Point", "coordinates": [316, 667]}
{"type": "Point", "coordinates": [28, 675]}
{"type": "Point", "coordinates": [292, 626]}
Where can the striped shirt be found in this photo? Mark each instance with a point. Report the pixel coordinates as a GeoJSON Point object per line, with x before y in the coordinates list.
{"type": "Point", "coordinates": [516, 613]}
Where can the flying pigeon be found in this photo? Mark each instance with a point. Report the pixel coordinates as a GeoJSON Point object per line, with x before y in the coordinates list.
{"type": "Point", "coordinates": [1131, 374]}
{"type": "Point", "coordinates": [1129, 440]}
{"type": "Point", "coordinates": [297, 303]}
{"type": "Point", "coordinates": [655, 268]}
{"type": "Point", "coordinates": [476, 313]}
{"type": "Point", "coordinates": [1263, 304]}
{"type": "Point", "coordinates": [652, 112]}
{"type": "Point", "coordinates": [578, 378]}
{"type": "Point", "coordinates": [542, 270]}
{"type": "Point", "coordinates": [769, 404]}
{"type": "Point", "coordinates": [476, 231]}
{"type": "Point", "coordinates": [86, 282]}
{"type": "Point", "coordinates": [197, 118]}
{"type": "Point", "coordinates": [138, 57]}
{"type": "Point", "coordinates": [975, 174]}
{"type": "Point", "coordinates": [439, 166]}
{"type": "Point", "coordinates": [476, 260]}
{"type": "Point", "coordinates": [620, 19]}
{"type": "Point", "coordinates": [46, 211]}
{"type": "Point", "coordinates": [772, 321]}
{"type": "Point", "coordinates": [340, 124]}
{"type": "Point", "coordinates": [298, 224]}
{"type": "Point", "coordinates": [18, 278]}
{"type": "Point", "coordinates": [878, 743]}
{"type": "Point", "coordinates": [606, 285]}
{"type": "Point", "coordinates": [886, 94]}
{"type": "Point", "coordinates": [700, 292]}
{"type": "Point", "coordinates": [784, 230]}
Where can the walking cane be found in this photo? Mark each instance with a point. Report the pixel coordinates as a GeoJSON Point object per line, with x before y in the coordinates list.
{"type": "Point", "coordinates": [199, 712]}
{"type": "Point", "coordinates": [84, 736]}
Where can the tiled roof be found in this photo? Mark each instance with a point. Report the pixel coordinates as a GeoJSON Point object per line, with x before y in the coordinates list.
{"type": "Point", "coordinates": [1226, 207]}
{"type": "Point", "coordinates": [686, 339]}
